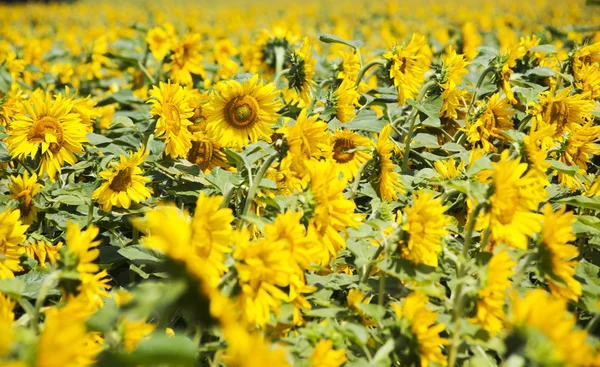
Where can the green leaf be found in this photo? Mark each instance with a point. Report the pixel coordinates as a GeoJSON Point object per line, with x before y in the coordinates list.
{"type": "Point", "coordinates": [332, 38]}
{"type": "Point", "coordinates": [122, 121]}
{"type": "Point", "coordinates": [97, 139]}
{"type": "Point", "coordinates": [563, 168]}
{"type": "Point", "coordinates": [366, 121]}
{"type": "Point", "coordinates": [582, 202]}
{"type": "Point", "coordinates": [548, 49]}
{"type": "Point", "coordinates": [14, 287]}
{"type": "Point", "coordinates": [140, 254]}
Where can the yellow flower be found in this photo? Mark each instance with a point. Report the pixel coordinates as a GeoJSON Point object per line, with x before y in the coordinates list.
{"type": "Point", "coordinates": [557, 256]}
{"type": "Point", "coordinates": [453, 69]}
{"type": "Point", "coordinates": [242, 112]}
{"type": "Point", "coordinates": [44, 251]}
{"type": "Point", "coordinates": [263, 268]}
{"type": "Point", "coordinates": [585, 56]}
{"type": "Point", "coordinates": [355, 298]}
{"type": "Point", "coordinates": [65, 341]}
{"type": "Point", "coordinates": [350, 151]}
{"type": "Point", "coordinates": [308, 137]}
{"type": "Point", "coordinates": [51, 129]}
{"type": "Point", "coordinates": [160, 40]}
{"type": "Point", "coordinates": [186, 59]}
{"type": "Point", "coordinates": [407, 66]}
{"type": "Point", "coordinates": [490, 305]}
{"type": "Point", "coordinates": [447, 168]}
{"type": "Point", "coordinates": [206, 152]}
{"type": "Point", "coordinates": [7, 317]}
{"type": "Point", "coordinates": [388, 181]}
{"type": "Point", "coordinates": [350, 65]}
{"type": "Point", "coordinates": [333, 213]}
{"type": "Point", "coordinates": [516, 195]}
{"type": "Point", "coordinates": [452, 100]}
{"type": "Point", "coordinates": [471, 40]}
{"type": "Point", "coordinates": [548, 315]}
{"type": "Point", "coordinates": [24, 188]}
{"type": "Point", "coordinates": [124, 182]}
{"type": "Point", "coordinates": [10, 105]}
{"type": "Point", "coordinates": [487, 127]}
{"type": "Point", "coordinates": [133, 332]}
{"type": "Point", "coordinates": [424, 329]}
{"type": "Point", "coordinates": [12, 233]}
{"type": "Point", "coordinates": [590, 80]}
{"type": "Point", "coordinates": [83, 247]}
{"type": "Point", "coordinates": [425, 222]}
{"type": "Point", "coordinates": [302, 71]}
{"type": "Point", "coordinates": [580, 145]}
{"type": "Point", "coordinates": [324, 356]}
{"type": "Point", "coordinates": [245, 349]}
{"type": "Point", "coordinates": [171, 106]}
{"type": "Point", "coordinates": [344, 99]}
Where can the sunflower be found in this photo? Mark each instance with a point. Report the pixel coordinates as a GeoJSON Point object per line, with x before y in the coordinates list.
{"type": "Point", "coordinates": [49, 130]}
{"type": "Point", "coordinates": [549, 316]}
{"type": "Point", "coordinates": [557, 256]}
{"type": "Point", "coordinates": [585, 56]}
{"type": "Point", "coordinates": [407, 66]}
{"type": "Point", "coordinates": [576, 151]}
{"type": "Point", "coordinates": [160, 40]}
{"type": "Point", "coordinates": [344, 100]}
{"type": "Point", "coordinates": [516, 195]}
{"type": "Point", "coordinates": [44, 252]}
{"type": "Point", "coordinates": [171, 106]}
{"type": "Point", "coordinates": [10, 105]}
{"type": "Point", "coordinates": [302, 71]}
{"type": "Point", "coordinates": [490, 304]}
{"type": "Point", "coordinates": [388, 181]}
{"type": "Point", "coordinates": [24, 188]}
{"type": "Point", "coordinates": [423, 328]}
{"type": "Point", "coordinates": [350, 65]}
{"type": "Point", "coordinates": [12, 233]}
{"type": "Point", "coordinates": [133, 332]}
{"type": "Point", "coordinates": [324, 356]}
{"type": "Point", "coordinates": [242, 112]}
{"type": "Point", "coordinates": [350, 151]}
{"type": "Point", "coordinates": [494, 118]}
{"type": "Point", "coordinates": [187, 59]}
{"type": "Point", "coordinates": [590, 81]}
{"type": "Point", "coordinates": [448, 169]}
{"type": "Point", "coordinates": [124, 182]}
{"type": "Point", "coordinates": [7, 318]}
{"type": "Point", "coordinates": [425, 225]}
{"type": "Point", "coordinates": [308, 137]}
{"type": "Point", "coordinates": [471, 40]}
{"type": "Point", "coordinates": [206, 153]}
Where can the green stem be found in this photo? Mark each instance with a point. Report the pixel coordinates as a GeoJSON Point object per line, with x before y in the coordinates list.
{"type": "Point", "coordinates": [280, 75]}
{"type": "Point", "coordinates": [368, 267]}
{"type": "Point", "coordinates": [357, 178]}
{"type": "Point", "coordinates": [593, 323]}
{"type": "Point", "coordinates": [254, 187]}
{"type": "Point", "coordinates": [279, 59]}
{"type": "Point", "coordinates": [146, 72]}
{"type": "Point", "coordinates": [458, 296]}
{"type": "Point", "coordinates": [524, 122]}
{"type": "Point", "coordinates": [381, 288]}
{"type": "Point", "coordinates": [39, 302]}
{"type": "Point", "coordinates": [479, 83]}
{"type": "Point", "coordinates": [365, 68]}
{"type": "Point", "coordinates": [412, 118]}
{"type": "Point", "coordinates": [30, 310]}
{"type": "Point", "coordinates": [90, 216]}
{"type": "Point", "coordinates": [227, 197]}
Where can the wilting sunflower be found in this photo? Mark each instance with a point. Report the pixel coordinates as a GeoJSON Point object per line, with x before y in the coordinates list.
{"type": "Point", "coordinates": [494, 118]}
{"type": "Point", "coordinates": [171, 107]}
{"type": "Point", "coordinates": [407, 66]}
{"type": "Point", "coordinates": [557, 256]}
{"type": "Point", "coordinates": [344, 100]}
{"type": "Point", "coordinates": [302, 71]}
{"type": "Point", "coordinates": [490, 305]}
{"type": "Point", "coordinates": [388, 181]}
{"type": "Point", "coordinates": [12, 233]}
{"type": "Point", "coordinates": [350, 151]}
{"type": "Point", "coordinates": [426, 226]}
{"type": "Point", "coordinates": [24, 188]}
{"type": "Point", "coordinates": [124, 182]}
{"type": "Point", "coordinates": [206, 152]}
{"type": "Point", "coordinates": [49, 129]}
{"type": "Point", "coordinates": [242, 112]}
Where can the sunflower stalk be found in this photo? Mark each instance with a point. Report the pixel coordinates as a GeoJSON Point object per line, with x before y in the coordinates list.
{"type": "Point", "coordinates": [479, 83]}
{"type": "Point", "coordinates": [356, 181]}
{"type": "Point", "coordinates": [365, 68]}
{"type": "Point", "coordinates": [257, 179]}
{"type": "Point", "coordinates": [279, 59]}
{"type": "Point", "coordinates": [412, 118]}
{"type": "Point", "coordinates": [280, 75]}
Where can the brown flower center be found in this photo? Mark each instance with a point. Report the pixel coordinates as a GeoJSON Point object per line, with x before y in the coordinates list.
{"type": "Point", "coordinates": [122, 181]}
{"type": "Point", "coordinates": [201, 153]}
{"type": "Point", "coordinates": [341, 149]}
{"type": "Point", "coordinates": [172, 118]}
{"type": "Point", "coordinates": [558, 112]}
{"type": "Point", "coordinates": [242, 112]}
{"type": "Point", "coordinates": [47, 129]}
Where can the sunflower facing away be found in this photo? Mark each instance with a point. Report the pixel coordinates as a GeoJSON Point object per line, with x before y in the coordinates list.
{"type": "Point", "coordinates": [48, 130]}
{"type": "Point", "coordinates": [173, 111]}
{"type": "Point", "coordinates": [388, 181]}
{"type": "Point", "coordinates": [124, 183]}
{"type": "Point", "coordinates": [302, 71]}
{"type": "Point", "coordinates": [242, 113]}
{"type": "Point", "coordinates": [24, 188]}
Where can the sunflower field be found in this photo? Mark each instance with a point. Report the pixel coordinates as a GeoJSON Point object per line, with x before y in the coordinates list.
{"type": "Point", "coordinates": [313, 184]}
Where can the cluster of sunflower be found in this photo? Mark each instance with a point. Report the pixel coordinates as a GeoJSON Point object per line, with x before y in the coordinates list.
{"type": "Point", "coordinates": [380, 184]}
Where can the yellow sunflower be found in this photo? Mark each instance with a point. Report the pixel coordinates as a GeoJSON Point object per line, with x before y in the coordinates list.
{"type": "Point", "coordinates": [206, 152]}
{"type": "Point", "coordinates": [494, 118]}
{"type": "Point", "coordinates": [242, 113]}
{"type": "Point", "coordinates": [12, 233]}
{"type": "Point", "coordinates": [557, 256]}
{"type": "Point", "coordinates": [171, 107]}
{"type": "Point", "coordinates": [50, 129]}
{"type": "Point", "coordinates": [350, 151]}
{"type": "Point", "coordinates": [124, 182]}
{"type": "Point", "coordinates": [344, 100]}
{"type": "Point", "coordinates": [187, 59]}
{"type": "Point", "coordinates": [10, 105]}
{"type": "Point", "coordinates": [24, 188]}
{"type": "Point", "coordinates": [324, 356]}
{"type": "Point", "coordinates": [425, 225]}
{"type": "Point", "coordinates": [578, 149]}
{"type": "Point", "coordinates": [302, 71]}
{"type": "Point", "coordinates": [388, 181]}
{"type": "Point", "coordinates": [407, 66]}
{"type": "Point", "coordinates": [308, 137]}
